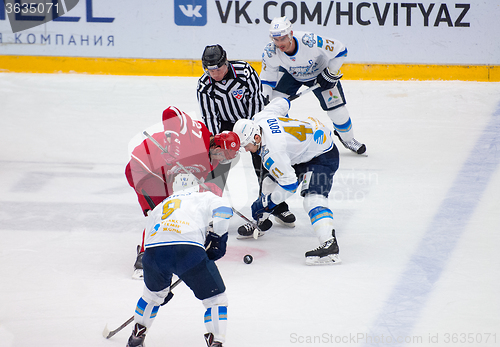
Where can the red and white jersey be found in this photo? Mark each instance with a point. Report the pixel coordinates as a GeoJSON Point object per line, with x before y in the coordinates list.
{"type": "Point", "coordinates": [195, 141]}
{"type": "Point", "coordinates": [148, 172]}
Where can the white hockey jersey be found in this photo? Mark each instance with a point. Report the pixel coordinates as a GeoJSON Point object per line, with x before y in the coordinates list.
{"type": "Point", "coordinates": [286, 141]}
{"type": "Point", "coordinates": [183, 218]}
{"type": "Point", "coordinates": [314, 53]}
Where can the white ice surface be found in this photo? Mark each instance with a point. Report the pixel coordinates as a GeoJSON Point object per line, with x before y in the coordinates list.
{"type": "Point", "coordinates": [417, 221]}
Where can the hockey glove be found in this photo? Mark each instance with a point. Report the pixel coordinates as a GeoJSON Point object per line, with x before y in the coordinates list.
{"type": "Point", "coordinates": [262, 205]}
{"type": "Point", "coordinates": [215, 245]}
{"type": "Point", "coordinates": [327, 80]}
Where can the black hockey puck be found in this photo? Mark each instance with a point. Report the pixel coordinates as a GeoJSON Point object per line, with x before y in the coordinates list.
{"type": "Point", "coordinates": [248, 259]}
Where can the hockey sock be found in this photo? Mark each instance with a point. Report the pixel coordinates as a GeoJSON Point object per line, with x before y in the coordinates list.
{"type": "Point", "coordinates": [216, 316]}
{"type": "Point", "coordinates": [145, 312]}
{"type": "Point", "coordinates": [322, 222]}
{"type": "Point", "coordinates": [216, 321]}
{"type": "Point", "coordinates": [148, 306]}
{"type": "Point", "coordinates": [342, 122]}
{"type": "Point", "coordinates": [320, 215]}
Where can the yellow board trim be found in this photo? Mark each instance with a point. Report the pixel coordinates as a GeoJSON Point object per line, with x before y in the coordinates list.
{"type": "Point", "coordinates": [192, 68]}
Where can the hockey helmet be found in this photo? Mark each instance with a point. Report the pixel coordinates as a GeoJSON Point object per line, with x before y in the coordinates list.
{"type": "Point", "coordinates": [280, 26]}
{"type": "Point", "coordinates": [229, 142]}
{"type": "Point", "coordinates": [213, 57]}
{"type": "Point", "coordinates": [246, 130]}
{"type": "Point", "coordinates": [184, 181]}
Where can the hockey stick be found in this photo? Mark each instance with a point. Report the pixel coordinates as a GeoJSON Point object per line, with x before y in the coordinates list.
{"type": "Point", "coordinates": [310, 89]}
{"type": "Point", "coordinates": [110, 333]}
{"type": "Point", "coordinates": [256, 227]}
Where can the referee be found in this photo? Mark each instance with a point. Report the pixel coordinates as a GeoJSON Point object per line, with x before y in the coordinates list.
{"type": "Point", "coordinates": [228, 91]}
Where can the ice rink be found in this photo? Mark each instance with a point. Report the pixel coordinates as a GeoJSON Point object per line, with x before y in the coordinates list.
{"type": "Point", "coordinates": [417, 221]}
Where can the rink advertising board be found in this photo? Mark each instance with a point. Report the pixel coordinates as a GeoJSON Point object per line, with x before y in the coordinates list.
{"type": "Point", "coordinates": [386, 40]}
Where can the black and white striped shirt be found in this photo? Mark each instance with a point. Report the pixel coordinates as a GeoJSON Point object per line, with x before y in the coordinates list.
{"type": "Point", "coordinates": [238, 95]}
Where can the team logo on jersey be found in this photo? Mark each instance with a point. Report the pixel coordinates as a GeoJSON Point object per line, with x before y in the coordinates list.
{"type": "Point", "coordinates": [155, 229]}
{"type": "Point", "coordinates": [319, 137]}
{"type": "Point", "coordinates": [238, 94]}
{"type": "Point", "coordinates": [190, 12]}
{"type": "Point", "coordinates": [308, 40]}
{"type": "Point", "coordinates": [270, 50]}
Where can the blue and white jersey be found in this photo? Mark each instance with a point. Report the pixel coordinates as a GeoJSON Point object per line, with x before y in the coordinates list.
{"type": "Point", "coordinates": [183, 218]}
{"type": "Point", "coordinates": [314, 53]}
{"type": "Point", "coordinates": [286, 141]}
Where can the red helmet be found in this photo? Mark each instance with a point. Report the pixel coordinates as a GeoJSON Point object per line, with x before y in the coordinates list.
{"type": "Point", "coordinates": [229, 142]}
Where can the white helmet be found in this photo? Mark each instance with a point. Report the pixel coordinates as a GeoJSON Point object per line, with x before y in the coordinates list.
{"type": "Point", "coordinates": [280, 26]}
{"type": "Point", "coordinates": [246, 130]}
{"type": "Point", "coordinates": [185, 181]}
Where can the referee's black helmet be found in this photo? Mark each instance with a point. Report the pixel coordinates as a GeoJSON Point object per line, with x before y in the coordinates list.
{"type": "Point", "coordinates": [213, 57]}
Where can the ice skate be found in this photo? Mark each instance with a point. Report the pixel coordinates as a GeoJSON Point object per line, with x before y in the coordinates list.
{"type": "Point", "coordinates": [353, 145]}
{"type": "Point", "coordinates": [283, 215]}
{"type": "Point", "coordinates": [209, 339]}
{"type": "Point", "coordinates": [138, 270]}
{"type": "Point", "coordinates": [246, 230]}
{"type": "Point", "coordinates": [326, 254]}
{"type": "Point", "coordinates": [137, 337]}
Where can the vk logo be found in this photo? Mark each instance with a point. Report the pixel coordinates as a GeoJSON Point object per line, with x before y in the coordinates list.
{"type": "Point", "coordinates": [190, 12]}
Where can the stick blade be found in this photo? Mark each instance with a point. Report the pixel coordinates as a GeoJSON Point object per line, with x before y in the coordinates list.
{"type": "Point", "coordinates": [256, 233]}
{"type": "Point", "coordinates": [106, 332]}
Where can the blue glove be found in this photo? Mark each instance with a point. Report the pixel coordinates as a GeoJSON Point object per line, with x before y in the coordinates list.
{"type": "Point", "coordinates": [327, 80]}
{"type": "Point", "coordinates": [215, 245]}
{"type": "Point", "coordinates": [262, 205]}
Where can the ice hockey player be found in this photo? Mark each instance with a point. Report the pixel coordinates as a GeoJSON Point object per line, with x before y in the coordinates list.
{"type": "Point", "coordinates": [295, 152]}
{"type": "Point", "coordinates": [294, 59]}
{"type": "Point", "coordinates": [180, 240]}
{"type": "Point", "coordinates": [187, 142]}
{"type": "Point", "coordinates": [230, 90]}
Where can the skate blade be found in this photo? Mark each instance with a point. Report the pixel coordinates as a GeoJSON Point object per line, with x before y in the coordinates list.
{"type": "Point", "coordinates": [106, 332]}
{"type": "Point", "coordinates": [331, 259]}
{"type": "Point", "coordinates": [258, 233]}
{"type": "Point", "coordinates": [290, 225]}
{"type": "Point", "coordinates": [138, 274]}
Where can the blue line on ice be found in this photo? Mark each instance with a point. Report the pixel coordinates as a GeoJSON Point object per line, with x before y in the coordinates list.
{"type": "Point", "coordinates": [404, 305]}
